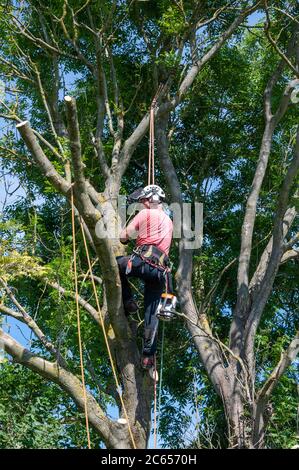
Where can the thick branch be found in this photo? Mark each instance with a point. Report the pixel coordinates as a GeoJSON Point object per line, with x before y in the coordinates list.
{"type": "Point", "coordinates": [288, 255]}
{"type": "Point", "coordinates": [75, 142]}
{"type": "Point", "coordinates": [99, 151]}
{"type": "Point", "coordinates": [266, 284]}
{"type": "Point", "coordinates": [40, 158]}
{"type": "Point", "coordinates": [287, 357]}
{"type": "Point", "coordinates": [28, 320]}
{"type": "Point", "coordinates": [198, 324]}
{"type": "Point", "coordinates": [67, 381]}
{"type": "Point", "coordinates": [264, 394]}
{"type": "Point", "coordinates": [250, 213]}
{"type": "Point", "coordinates": [280, 228]}
{"type": "Point", "coordinates": [264, 260]}
{"type": "Point", "coordinates": [80, 184]}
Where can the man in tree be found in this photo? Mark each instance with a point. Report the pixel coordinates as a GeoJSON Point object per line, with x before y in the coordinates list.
{"type": "Point", "coordinates": [149, 262]}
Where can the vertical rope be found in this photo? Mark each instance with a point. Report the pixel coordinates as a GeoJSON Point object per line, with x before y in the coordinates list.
{"type": "Point", "coordinates": [153, 141]}
{"type": "Point", "coordinates": [155, 403]}
{"type": "Point", "coordinates": [151, 153]}
{"type": "Point", "coordinates": [150, 149]}
{"type": "Point", "coordinates": [79, 322]}
{"type": "Point", "coordinates": [161, 376]}
{"type": "Point", "coordinates": [151, 180]}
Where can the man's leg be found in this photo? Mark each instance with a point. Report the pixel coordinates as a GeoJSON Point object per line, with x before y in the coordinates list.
{"type": "Point", "coordinates": [128, 301]}
{"type": "Point", "coordinates": [153, 288]}
{"type": "Point", "coordinates": [169, 283]}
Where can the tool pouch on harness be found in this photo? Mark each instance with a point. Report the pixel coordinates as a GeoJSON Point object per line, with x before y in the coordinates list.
{"type": "Point", "coordinates": [156, 258]}
{"type": "Point", "coordinates": [152, 255]}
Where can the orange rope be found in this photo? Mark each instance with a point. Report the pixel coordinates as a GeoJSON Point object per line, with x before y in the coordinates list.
{"type": "Point", "coordinates": [153, 145]}
{"type": "Point", "coordinates": [105, 335]}
{"type": "Point", "coordinates": [78, 322]}
{"type": "Point", "coordinates": [150, 150]}
{"type": "Point", "coordinates": [151, 153]}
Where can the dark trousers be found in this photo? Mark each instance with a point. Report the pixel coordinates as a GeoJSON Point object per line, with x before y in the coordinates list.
{"type": "Point", "coordinates": [154, 285]}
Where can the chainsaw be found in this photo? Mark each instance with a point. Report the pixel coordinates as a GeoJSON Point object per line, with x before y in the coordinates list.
{"type": "Point", "coordinates": [166, 308]}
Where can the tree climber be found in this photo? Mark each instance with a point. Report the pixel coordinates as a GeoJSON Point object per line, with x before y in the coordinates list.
{"type": "Point", "coordinates": [148, 262]}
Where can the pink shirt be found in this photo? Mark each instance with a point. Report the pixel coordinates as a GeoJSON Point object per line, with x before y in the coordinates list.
{"type": "Point", "coordinates": [153, 227]}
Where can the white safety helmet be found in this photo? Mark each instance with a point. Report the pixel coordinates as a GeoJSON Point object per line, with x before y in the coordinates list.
{"type": "Point", "coordinates": [152, 192]}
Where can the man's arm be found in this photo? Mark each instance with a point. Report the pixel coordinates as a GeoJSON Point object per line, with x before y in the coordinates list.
{"type": "Point", "coordinates": [130, 231]}
{"type": "Point", "coordinates": [123, 238]}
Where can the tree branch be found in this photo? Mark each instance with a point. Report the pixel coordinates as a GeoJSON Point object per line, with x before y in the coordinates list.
{"type": "Point", "coordinates": [28, 320]}
{"type": "Point", "coordinates": [288, 255]}
{"type": "Point", "coordinates": [65, 379]}
{"type": "Point", "coordinates": [275, 45]}
{"type": "Point", "coordinates": [40, 158]}
{"type": "Point", "coordinates": [198, 324]}
{"type": "Point", "coordinates": [259, 273]}
{"type": "Point", "coordinates": [265, 287]}
{"type": "Point", "coordinates": [132, 141]}
{"type": "Point", "coordinates": [75, 142]}
{"type": "Point", "coordinates": [87, 306]}
{"type": "Point", "coordinates": [99, 151]}
{"type": "Point", "coordinates": [240, 311]}
{"type": "Point", "coordinates": [264, 394]}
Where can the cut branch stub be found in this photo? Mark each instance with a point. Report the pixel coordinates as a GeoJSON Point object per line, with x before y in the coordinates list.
{"type": "Point", "coordinates": [75, 141]}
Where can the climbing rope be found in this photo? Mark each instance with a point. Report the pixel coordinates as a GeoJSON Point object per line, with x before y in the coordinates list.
{"type": "Point", "coordinates": [78, 320]}
{"type": "Point", "coordinates": [151, 152]}
{"type": "Point", "coordinates": [151, 180]}
{"type": "Point", "coordinates": [157, 409]}
{"type": "Point", "coordinates": [155, 403]}
{"type": "Point", "coordinates": [118, 388]}
{"type": "Point", "coordinates": [161, 375]}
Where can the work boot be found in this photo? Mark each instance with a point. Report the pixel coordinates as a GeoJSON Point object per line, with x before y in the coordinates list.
{"type": "Point", "coordinates": [130, 307]}
{"type": "Point", "coordinates": [147, 362]}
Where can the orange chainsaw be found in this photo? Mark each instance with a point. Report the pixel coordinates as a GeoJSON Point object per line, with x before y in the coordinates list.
{"type": "Point", "coordinates": [166, 308]}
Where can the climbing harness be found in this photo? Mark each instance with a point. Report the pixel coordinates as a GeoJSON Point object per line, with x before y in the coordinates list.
{"type": "Point", "coordinates": [151, 255]}
{"type": "Point", "coordinates": [155, 258]}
